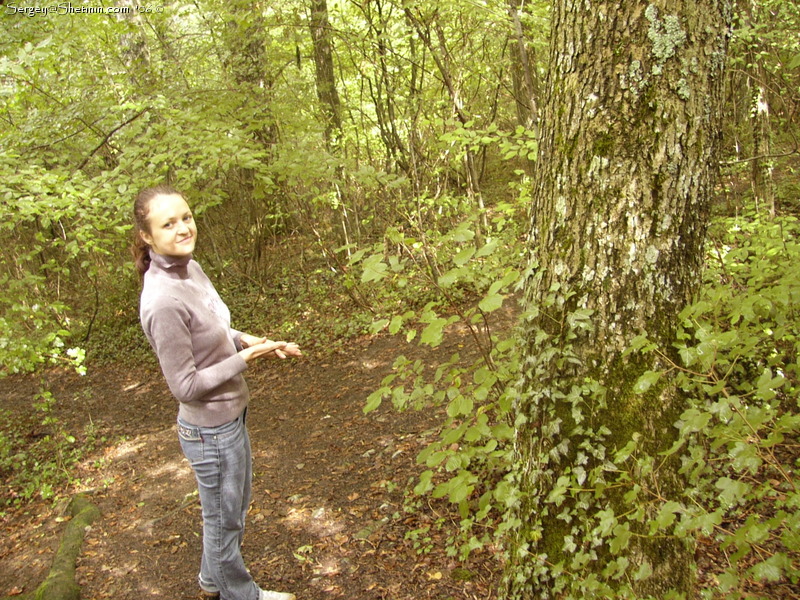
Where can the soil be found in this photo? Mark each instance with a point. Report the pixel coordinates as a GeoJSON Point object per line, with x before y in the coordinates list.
{"type": "Point", "coordinates": [329, 517]}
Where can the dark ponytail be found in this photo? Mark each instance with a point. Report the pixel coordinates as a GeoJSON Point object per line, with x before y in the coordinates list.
{"type": "Point", "coordinates": [141, 209]}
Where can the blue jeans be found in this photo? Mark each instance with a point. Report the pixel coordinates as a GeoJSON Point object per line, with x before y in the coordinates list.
{"type": "Point", "coordinates": [222, 463]}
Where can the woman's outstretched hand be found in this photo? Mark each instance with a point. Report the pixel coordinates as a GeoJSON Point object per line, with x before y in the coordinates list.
{"type": "Point", "coordinates": [256, 347]}
{"type": "Point", "coordinates": [290, 349]}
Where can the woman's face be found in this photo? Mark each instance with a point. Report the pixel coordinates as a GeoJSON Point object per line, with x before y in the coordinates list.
{"type": "Point", "coordinates": [172, 228]}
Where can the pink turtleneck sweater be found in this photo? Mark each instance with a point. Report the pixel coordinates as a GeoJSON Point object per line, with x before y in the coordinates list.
{"type": "Point", "coordinates": [189, 327]}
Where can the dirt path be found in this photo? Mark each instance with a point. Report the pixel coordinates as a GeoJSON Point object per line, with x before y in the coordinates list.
{"type": "Point", "coordinates": [327, 519]}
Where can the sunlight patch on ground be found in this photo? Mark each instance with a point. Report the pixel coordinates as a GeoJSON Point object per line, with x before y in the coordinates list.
{"type": "Point", "coordinates": [319, 522]}
{"type": "Point", "coordinates": [125, 449]}
{"type": "Point", "coordinates": [178, 468]}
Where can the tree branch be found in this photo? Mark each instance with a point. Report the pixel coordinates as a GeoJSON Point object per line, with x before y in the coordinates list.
{"type": "Point", "coordinates": [109, 134]}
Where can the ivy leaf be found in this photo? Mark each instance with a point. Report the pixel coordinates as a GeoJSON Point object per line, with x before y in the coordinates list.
{"type": "Point", "coordinates": [731, 491]}
{"type": "Point", "coordinates": [645, 571]}
{"type": "Point", "coordinates": [622, 535]}
{"type": "Point", "coordinates": [745, 457]}
{"type": "Point", "coordinates": [646, 381]}
{"type": "Point", "coordinates": [666, 516]}
{"type": "Point", "coordinates": [506, 493]}
{"type": "Point", "coordinates": [694, 420]}
{"type": "Point", "coordinates": [773, 568]}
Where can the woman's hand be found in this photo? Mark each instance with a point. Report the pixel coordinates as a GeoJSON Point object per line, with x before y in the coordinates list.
{"type": "Point", "coordinates": [261, 349]}
{"type": "Point", "coordinates": [290, 349]}
{"type": "Point", "coordinates": [248, 340]}
{"type": "Point", "coordinates": [256, 347]}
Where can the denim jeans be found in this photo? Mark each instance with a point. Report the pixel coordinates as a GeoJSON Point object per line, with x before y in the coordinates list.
{"type": "Point", "coordinates": [222, 463]}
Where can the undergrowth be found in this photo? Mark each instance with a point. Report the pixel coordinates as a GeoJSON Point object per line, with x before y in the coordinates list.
{"type": "Point", "coordinates": [37, 461]}
{"type": "Point", "coordinates": [739, 436]}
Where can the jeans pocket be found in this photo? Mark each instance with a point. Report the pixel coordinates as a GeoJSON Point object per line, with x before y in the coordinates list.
{"type": "Point", "coordinates": [189, 434]}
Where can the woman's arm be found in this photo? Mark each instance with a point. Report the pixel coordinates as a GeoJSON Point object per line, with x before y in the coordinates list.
{"type": "Point", "coordinates": [166, 324]}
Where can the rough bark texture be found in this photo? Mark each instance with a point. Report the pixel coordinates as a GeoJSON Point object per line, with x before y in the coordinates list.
{"type": "Point", "coordinates": [323, 65]}
{"type": "Point", "coordinates": [524, 77]}
{"type": "Point", "coordinates": [619, 215]}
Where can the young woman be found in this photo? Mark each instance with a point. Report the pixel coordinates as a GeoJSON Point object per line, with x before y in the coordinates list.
{"type": "Point", "coordinates": [202, 359]}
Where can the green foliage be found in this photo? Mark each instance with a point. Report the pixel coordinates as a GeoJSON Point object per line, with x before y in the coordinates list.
{"type": "Point", "coordinates": [735, 358]}
{"type": "Point", "coordinates": [38, 462]}
{"type": "Point", "coordinates": [739, 363]}
{"type": "Point", "coordinates": [425, 283]}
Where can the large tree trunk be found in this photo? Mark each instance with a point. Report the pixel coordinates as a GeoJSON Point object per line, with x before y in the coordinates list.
{"type": "Point", "coordinates": [619, 215]}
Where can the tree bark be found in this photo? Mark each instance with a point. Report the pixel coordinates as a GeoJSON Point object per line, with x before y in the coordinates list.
{"type": "Point", "coordinates": [524, 77]}
{"type": "Point", "coordinates": [325, 74]}
{"type": "Point", "coordinates": [761, 165]}
{"type": "Point", "coordinates": [619, 215]}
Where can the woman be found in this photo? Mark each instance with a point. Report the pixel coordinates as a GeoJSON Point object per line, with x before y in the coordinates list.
{"type": "Point", "coordinates": [202, 358]}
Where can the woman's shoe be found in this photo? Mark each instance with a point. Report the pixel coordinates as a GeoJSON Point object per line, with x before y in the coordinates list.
{"type": "Point", "coordinates": [265, 595]}
{"type": "Point", "coordinates": [208, 591]}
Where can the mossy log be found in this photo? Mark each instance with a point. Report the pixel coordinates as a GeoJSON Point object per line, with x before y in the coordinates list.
{"type": "Point", "coordinates": [60, 582]}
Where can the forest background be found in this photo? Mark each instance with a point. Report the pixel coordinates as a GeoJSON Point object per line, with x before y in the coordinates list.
{"type": "Point", "coordinates": [364, 168]}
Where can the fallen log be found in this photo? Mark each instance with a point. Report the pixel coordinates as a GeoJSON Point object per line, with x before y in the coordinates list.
{"type": "Point", "coordinates": [60, 582]}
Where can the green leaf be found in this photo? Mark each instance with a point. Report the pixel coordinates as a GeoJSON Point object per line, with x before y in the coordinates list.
{"type": "Point", "coordinates": [460, 405]}
{"type": "Point", "coordinates": [463, 257]}
{"type": "Point", "coordinates": [433, 334]}
{"type": "Point", "coordinates": [425, 483]}
{"type": "Point", "coordinates": [375, 398]}
{"type": "Point", "coordinates": [487, 249]}
{"type": "Point", "coordinates": [646, 381]}
{"type": "Point", "coordinates": [460, 488]}
{"type": "Point", "coordinates": [395, 324]}
{"type": "Point", "coordinates": [491, 302]}
{"type": "Point", "coordinates": [463, 233]}
{"type": "Point", "coordinates": [374, 269]}
{"type": "Point", "coordinates": [451, 276]}
{"type": "Point", "coordinates": [378, 325]}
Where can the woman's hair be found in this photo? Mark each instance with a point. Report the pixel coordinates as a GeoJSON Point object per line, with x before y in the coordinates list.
{"type": "Point", "coordinates": [141, 210]}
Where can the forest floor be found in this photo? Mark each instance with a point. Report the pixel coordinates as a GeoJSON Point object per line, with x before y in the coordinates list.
{"type": "Point", "coordinates": [329, 515]}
